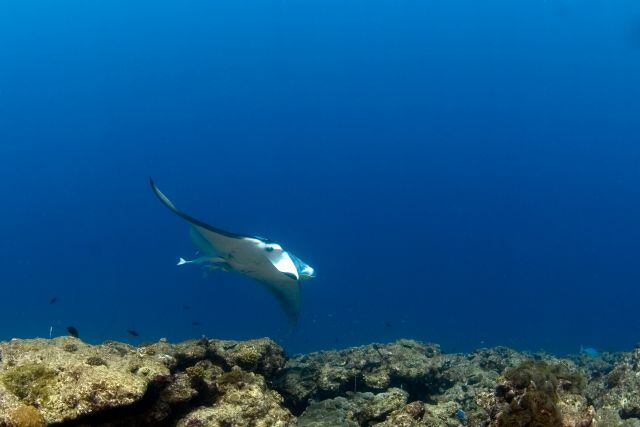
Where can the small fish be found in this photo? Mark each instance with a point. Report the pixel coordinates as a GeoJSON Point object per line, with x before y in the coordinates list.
{"type": "Point", "coordinates": [196, 323]}
{"type": "Point", "coordinates": [73, 331]}
{"type": "Point", "coordinates": [53, 300]}
{"type": "Point", "coordinates": [460, 415]}
{"type": "Point", "coordinates": [387, 324]}
{"type": "Point", "coordinates": [186, 307]}
{"type": "Point", "coordinates": [133, 332]}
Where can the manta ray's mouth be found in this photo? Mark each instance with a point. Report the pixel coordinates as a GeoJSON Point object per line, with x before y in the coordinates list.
{"type": "Point", "coordinates": [308, 271]}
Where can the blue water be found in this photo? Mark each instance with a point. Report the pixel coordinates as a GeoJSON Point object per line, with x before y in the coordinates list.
{"type": "Point", "coordinates": [456, 171]}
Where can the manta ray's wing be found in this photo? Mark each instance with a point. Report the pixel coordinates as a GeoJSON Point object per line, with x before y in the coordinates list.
{"type": "Point", "coordinates": [286, 291]}
{"type": "Point", "coordinates": [220, 241]}
{"type": "Point", "coordinates": [214, 241]}
{"type": "Point", "coordinates": [288, 296]}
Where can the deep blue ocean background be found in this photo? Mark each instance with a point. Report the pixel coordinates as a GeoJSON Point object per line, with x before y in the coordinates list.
{"type": "Point", "coordinates": [457, 171]}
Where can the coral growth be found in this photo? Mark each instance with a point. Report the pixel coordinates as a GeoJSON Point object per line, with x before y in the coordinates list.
{"type": "Point", "coordinates": [243, 399]}
{"type": "Point", "coordinates": [533, 393]}
{"type": "Point", "coordinates": [206, 382]}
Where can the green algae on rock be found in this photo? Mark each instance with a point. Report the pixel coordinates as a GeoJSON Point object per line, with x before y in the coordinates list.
{"type": "Point", "coordinates": [30, 382]}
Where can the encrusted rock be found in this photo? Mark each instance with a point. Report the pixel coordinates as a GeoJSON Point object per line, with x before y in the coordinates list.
{"type": "Point", "coordinates": [243, 400]}
{"type": "Point", "coordinates": [406, 364]}
{"type": "Point", "coordinates": [336, 412]}
{"type": "Point", "coordinates": [64, 379]}
{"type": "Point", "coordinates": [619, 389]}
{"type": "Point", "coordinates": [203, 376]}
{"type": "Point", "coordinates": [466, 377]}
{"type": "Point", "coordinates": [262, 356]}
{"type": "Point", "coordinates": [541, 393]}
{"type": "Point", "coordinates": [409, 416]}
{"type": "Point", "coordinates": [180, 354]}
{"type": "Point", "coordinates": [204, 382]}
{"type": "Point", "coordinates": [381, 405]}
{"type": "Point", "coordinates": [179, 390]}
{"type": "Point", "coordinates": [353, 410]}
{"type": "Point", "coordinates": [608, 417]}
{"type": "Point", "coordinates": [63, 385]}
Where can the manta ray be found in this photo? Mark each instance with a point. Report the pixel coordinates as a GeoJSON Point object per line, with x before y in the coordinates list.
{"type": "Point", "coordinates": [256, 257]}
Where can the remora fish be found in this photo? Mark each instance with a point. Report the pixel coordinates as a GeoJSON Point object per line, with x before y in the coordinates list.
{"type": "Point", "coordinates": [258, 258]}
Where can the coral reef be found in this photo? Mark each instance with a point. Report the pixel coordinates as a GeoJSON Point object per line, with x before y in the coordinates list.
{"type": "Point", "coordinates": [540, 393]}
{"type": "Point", "coordinates": [242, 399]}
{"type": "Point", "coordinates": [415, 367]}
{"type": "Point", "coordinates": [208, 382]}
{"type": "Point", "coordinates": [615, 393]}
{"type": "Point", "coordinates": [64, 385]}
{"type": "Point", "coordinates": [353, 410]}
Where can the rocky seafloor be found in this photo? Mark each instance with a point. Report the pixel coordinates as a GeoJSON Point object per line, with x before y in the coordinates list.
{"type": "Point", "coordinates": [209, 382]}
